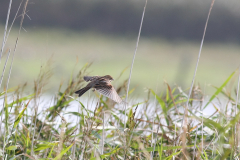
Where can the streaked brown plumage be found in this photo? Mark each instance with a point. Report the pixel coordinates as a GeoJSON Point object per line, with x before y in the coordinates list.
{"type": "Point", "coordinates": [102, 84]}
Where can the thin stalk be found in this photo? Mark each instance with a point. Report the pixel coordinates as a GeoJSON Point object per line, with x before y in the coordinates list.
{"type": "Point", "coordinates": [83, 148]}
{"type": "Point", "coordinates": [185, 119]}
{"type": "Point", "coordinates": [213, 146]}
{"type": "Point", "coordinates": [4, 68]}
{"type": "Point", "coordinates": [74, 146]}
{"type": "Point", "coordinates": [4, 41]}
{"type": "Point", "coordinates": [2, 48]}
{"type": "Point", "coordinates": [61, 137]}
{"type": "Point", "coordinates": [130, 74]}
{"type": "Point", "coordinates": [194, 149]}
{"type": "Point", "coordinates": [156, 136]}
{"type": "Point", "coordinates": [9, 30]}
{"type": "Point", "coordinates": [50, 139]}
{"type": "Point", "coordinates": [211, 142]}
{"type": "Point", "coordinates": [174, 138]}
{"type": "Point", "coordinates": [103, 133]}
{"type": "Point", "coordinates": [19, 31]}
{"type": "Point", "coordinates": [5, 31]}
{"type": "Point", "coordinates": [202, 115]}
{"type": "Point", "coordinates": [35, 115]}
{"type": "Point", "coordinates": [44, 121]}
{"type": "Point", "coordinates": [152, 137]}
{"type": "Point", "coordinates": [202, 130]}
{"type": "Point", "coordinates": [236, 133]}
{"type": "Point", "coordinates": [9, 75]}
{"type": "Point", "coordinates": [1, 85]}
{"type": "Point", "coordinates": [155, 102]}
{"type": "Point", "coordinates": [15, 47]}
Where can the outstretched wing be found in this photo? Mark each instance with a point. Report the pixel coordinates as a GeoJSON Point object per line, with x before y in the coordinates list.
{"type": "Point", "coordinates": [90, 78]}
{"type": "Point", "coordinates": [110, 92]}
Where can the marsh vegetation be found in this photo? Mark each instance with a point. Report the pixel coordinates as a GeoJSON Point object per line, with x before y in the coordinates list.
{"type": "Point", "coordinates": [166, 121]}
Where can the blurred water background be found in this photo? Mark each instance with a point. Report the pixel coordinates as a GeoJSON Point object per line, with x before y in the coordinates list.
{"type": "Point", "coordinates": [72, 33]}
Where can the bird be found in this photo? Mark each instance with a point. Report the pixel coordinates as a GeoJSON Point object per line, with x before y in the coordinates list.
{"type": "Point", "coordinates": [102, 84]}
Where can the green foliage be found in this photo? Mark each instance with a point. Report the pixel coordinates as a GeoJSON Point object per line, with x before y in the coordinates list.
{"type": "Point", "coordinates": [63, 152]}
{"type": "Point", "coordinates": [20, 116]}
{"type": "Point", "coordinates": [152, 128]}
{"type": "Point", "coordinates": [219, 89]}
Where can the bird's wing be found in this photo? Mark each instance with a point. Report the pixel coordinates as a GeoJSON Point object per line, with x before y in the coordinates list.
{"type": "Point", "coordinates": [90, 78]}
{"type": "Point", "coordinates": [109, 92]}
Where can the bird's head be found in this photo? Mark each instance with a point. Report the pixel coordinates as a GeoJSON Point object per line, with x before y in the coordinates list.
{"type": "Point", "coordinates": [109, 77]}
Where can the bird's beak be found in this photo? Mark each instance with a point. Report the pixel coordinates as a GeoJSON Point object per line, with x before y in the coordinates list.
{"type": "Point", "coordinates": [113, 79]}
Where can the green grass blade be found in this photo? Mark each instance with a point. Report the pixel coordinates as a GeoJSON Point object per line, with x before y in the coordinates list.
{"type": "Point", "coordinates": [40, 147]}
{"type": "Point", "coordinates": [11, 148]}
{"type": "Point", "coordinates": [20, 115]}
{"type": "Point", "coordinates": [6, 114]}
{"type": "Point", "coordinates": [173, 154]}
{"type": "Point", "coordinates": [50, 153]}
{"type": "Point", "coordinates": [161, 150]}
{"type": "Point", "coordinates": [219, 89]}
{"type": "Point", "coordinates": [205, 154]}
{"type": "Point", "coordinates": [110, 153]}
{"type": "Point", "coordinates": [162, 104]}
{"type": "Point", "coordinates": [208, 122]}
{"type": "Point", "coordinates": [200, 153]}
{"type": "Point", "coordinates": [165, 148]}
{"type": "Point", "coordinates": [21, 100]}
{"type": "Point", "coordinates": [63, 152]}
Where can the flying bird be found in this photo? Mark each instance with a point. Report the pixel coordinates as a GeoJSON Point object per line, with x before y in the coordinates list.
{"type": "Point", "coordinates": [102, 84]}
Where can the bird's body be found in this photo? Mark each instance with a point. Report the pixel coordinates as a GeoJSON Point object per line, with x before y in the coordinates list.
{"type": "Point", "coordinates": [102, 84]}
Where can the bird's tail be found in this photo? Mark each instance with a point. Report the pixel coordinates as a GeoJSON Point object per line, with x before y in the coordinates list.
{"type": "Point", "coordinates": [82, 91]}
